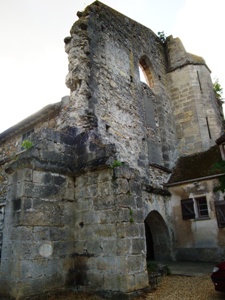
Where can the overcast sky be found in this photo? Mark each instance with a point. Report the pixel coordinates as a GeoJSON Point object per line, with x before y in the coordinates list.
{"type": "Point", "coordinates": [33, 64]}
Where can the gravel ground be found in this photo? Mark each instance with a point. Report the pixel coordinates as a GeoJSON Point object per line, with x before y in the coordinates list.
{"type": "Point", "coordinates": [188, 288]}
{"type": "Point", "coordinates": [170, 288]}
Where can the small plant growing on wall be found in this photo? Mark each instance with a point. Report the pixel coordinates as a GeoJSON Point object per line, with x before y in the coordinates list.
{"type": "Point", "coordinates": [116, 164]}
{"type": "Point", "coordinates": [26, 144]}
{"type": "Point", "coordinates": [162, 36]}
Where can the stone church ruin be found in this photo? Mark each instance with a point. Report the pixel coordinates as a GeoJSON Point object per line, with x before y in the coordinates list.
{"type": "Point", "coordinates": [117, 172]}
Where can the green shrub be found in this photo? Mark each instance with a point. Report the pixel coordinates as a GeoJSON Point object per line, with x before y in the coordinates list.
{"type": "Point", "coordinates": [26, 144]}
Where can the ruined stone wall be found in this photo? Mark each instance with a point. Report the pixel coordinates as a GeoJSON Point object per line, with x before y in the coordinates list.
{"type": "Point", "coordinates": [104, 51]}
{"type": "Point", "coordinates": [71, 219]}
{"type": "Point", "coordinates": [77, 200]}
{"type": "Point", "coordinates": [9, 150]}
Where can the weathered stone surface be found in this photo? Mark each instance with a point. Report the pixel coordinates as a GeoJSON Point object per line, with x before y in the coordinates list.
{"type": "Point", "coordinates": [73, 207]}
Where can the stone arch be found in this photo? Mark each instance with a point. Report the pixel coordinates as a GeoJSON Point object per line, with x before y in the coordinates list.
{"type": "Point", "coordinates": [157, 237]}
{"type": "Point", "coordinates": [146, 69]}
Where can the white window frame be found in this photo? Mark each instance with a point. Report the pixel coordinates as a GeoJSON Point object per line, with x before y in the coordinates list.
{"type": "Point", "coordinates": [197, 208]}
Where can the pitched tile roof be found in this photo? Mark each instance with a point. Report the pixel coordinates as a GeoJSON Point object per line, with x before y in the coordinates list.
{"type": "Point", "coordinates": [196, 166]}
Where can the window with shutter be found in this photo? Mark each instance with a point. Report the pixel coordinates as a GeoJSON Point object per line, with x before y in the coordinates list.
{"type": "Point", "coordinates": [220, 213]}
{"type": "Point", "coordinates": [195, 208]}
{"type": "Point", "coordinates": [187, 206]}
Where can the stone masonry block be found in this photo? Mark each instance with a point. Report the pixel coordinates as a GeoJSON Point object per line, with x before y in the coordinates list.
{"type": "Point", "coordinates": [92, 190]}
{"type": "Point", "coordinates": [24, 234]}
{"type": "Point", "coordinates": [124, 214]}
{"type": "Point", "coordinates": [138, 245]}
{"type": "Point", "coordinates": [105, 189]}
{"type": "Point", "coordinates": [138, 215]}
{"type": "Point", "coordinates": [94, 247]}
{"type": "Point", "coordinates": [16, 191]}
{"type": "Point", "coordinates": [38, 218]}
{"type": "Point", "coordinates": [131, 282]}
{"type": "Point", "coordinates": [27, 250]}
{"type": "Point", "coordinates": [81, 193]}
{"type": "Point", "coordinates": [55, 281]}
{"type": "Point", "coordinates": [108, 216]}
{"type": "Point", "coordinates": [105, 175]}
{"type": "Point", "coordinates": [68, 194]}
{"type": "Point", "coordinates": [38, 176]}
{"type": "Point", "coordinates": [124, 172]}
{"type": "Point", "coordinates": [141, 280]}
{"type": "Point", "coordinates": [134, 263]}
{"type": "Point", "coordinates": [107, 202]}
{"type": "Point", "coordinates": [85, 205]}
{"type": "Point", "coordinates": [88, 217]}
{"type": "Point", "coordinates": [60, 234]}
{"type": "Point", "coordinates": [84, 232]}
{"type": "Point", "coordinates": [135, 187]}
{"type": "Point", "coordinates": [107, 264]}
{"type": "Point", "coordinates": [105, 231]}
{"type": "Point", "coordinates": [37, 268]}
{"type": "Point", "coordinates": [127, 229]}
{"type": "Point", "coordinates": [95, 279]}
{"type": "Point", "coordinates": [41, 191]}
{"type": "Point", "coordinates": [82, 181]}
{"type": "Point", "coordinates": [20, 176]}
{"type": "Point", "coordinates": [61, 248]}
{"type": "Point", "coordinates": [122, 186]}
{"type": "Point", "coordinates": [124, 247]}
{"type": "Point", "coordinates": [109, 247]}
{"type": "Point", "coordinates": [125, 200]}
{"type": "Point", "coordinates": [114, 282]}
{"type": "Point", "coordinates": [28, 204]}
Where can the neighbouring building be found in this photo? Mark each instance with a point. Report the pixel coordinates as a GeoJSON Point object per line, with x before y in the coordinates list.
{"type": "Point", "coordinates": [119, 171]}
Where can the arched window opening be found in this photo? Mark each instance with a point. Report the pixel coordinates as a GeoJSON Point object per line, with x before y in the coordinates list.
{"type": "Point", "coordinates": [142, 75]}
{"type": "Point", "coordinates": [145, 72]}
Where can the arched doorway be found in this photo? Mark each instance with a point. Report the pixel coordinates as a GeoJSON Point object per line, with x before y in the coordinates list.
{"type": "Point", "coordinates": [157, 237]}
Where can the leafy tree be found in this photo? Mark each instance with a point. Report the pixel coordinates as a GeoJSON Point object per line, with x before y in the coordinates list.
{"type": "Point", "coordinates": [218, 90]}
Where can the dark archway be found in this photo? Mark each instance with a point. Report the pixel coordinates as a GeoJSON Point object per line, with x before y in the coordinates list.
{"type": "Point", "coordinates": [149, 243]}
{"type": "Point", "coordinates": [157, 237]}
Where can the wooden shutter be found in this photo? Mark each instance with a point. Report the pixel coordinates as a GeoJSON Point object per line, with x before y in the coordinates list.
{"type": "Point", "coordinates": [220, 213]}
{"type": "Point", "coordinates": [187, 206]}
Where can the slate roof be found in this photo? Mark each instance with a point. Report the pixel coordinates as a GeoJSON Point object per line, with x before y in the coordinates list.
{"type": "Point", "coordinates": [196, 166]}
